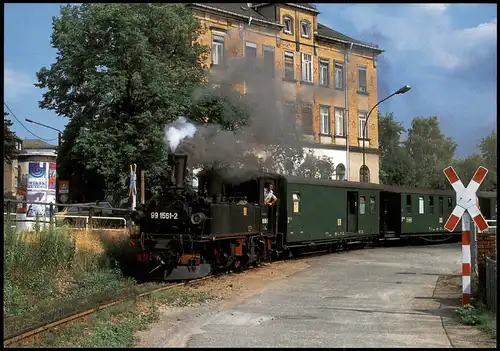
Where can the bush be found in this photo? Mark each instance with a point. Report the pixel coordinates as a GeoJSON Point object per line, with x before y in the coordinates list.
{"type": "Point", "coordinates": [46, 275]}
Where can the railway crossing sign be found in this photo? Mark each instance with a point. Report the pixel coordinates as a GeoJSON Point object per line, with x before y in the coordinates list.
{"type": "Point", "coordinates": [466, 198]}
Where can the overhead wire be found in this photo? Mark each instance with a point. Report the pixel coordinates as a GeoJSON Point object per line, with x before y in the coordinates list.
{"type": "Point", "coordinates": [29, 131]}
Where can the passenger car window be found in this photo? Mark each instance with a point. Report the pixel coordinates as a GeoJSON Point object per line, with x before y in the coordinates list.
{"type": "Point", "coordinates": [296, 202]}
{"type": "Point", "coordinates": [420, 205]}
{"type": "Point", "coordinates": [373, 208]}
{"type": "Point", "coordinates": [408, 205]}
{"type": "Point", "coordinates": [361, 205]}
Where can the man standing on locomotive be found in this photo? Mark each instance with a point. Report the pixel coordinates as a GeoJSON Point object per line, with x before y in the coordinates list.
{"type": "Point", "coordinates": [269, 197]}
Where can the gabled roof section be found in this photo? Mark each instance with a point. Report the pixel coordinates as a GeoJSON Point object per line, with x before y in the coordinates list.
{"type": "Point", "coordinates": [305, 6]}
{"type": "Point", "coordinates": [327, 33]}
{"type": "Point", "coordinates": [37, 144]}
{"type": "Point", "coordinates": [237, 9]}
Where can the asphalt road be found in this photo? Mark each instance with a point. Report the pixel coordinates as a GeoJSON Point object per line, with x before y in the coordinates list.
{"type": "Point", "coordinates": [379, 297]}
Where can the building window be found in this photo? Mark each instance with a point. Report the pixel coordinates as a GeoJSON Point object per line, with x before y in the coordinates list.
{"type": "Point", "coordinates": [268, 60]}
{"type": "Point", "coordinates": [289, 66]}
{"type": "Point", "coordinates": [339, 122]}
{"type": "Point", "coordinates": [217, 49]}
{"type": "Point", "coordinates": [340, 172]}
{"type": "Point", "coordinates": [364, 174]}
{"type": "Point", "coordinates": [420, 205]}
{"type": "Point", "coordinates": [307, 67]}
{"type": "Point", "coordinates": [323, 72]}
{"type": "Point", "coordinates": [362, 80]}
{"type": "Point", "coordinates": [324, 120]}
{"type": "Point", "coordinates": [307, 119]}
{"type": "Point", "coordinates": [305, 28]}
{"type": "Point", "coordinates": [287, 25]}
{"type": "Point", "coordinates": [339, 76]}
{"type": "Point", "coordinates": [362, 129]}
{"type": "Point", "coordinates": [250, 50]}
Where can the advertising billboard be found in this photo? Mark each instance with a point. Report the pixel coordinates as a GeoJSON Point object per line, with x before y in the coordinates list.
{"type": "Point", "coordinates": [41, 189]}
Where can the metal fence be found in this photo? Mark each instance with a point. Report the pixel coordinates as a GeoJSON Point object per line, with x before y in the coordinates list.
{"type": "Point", "coordinates": [85, 218]}
{"type": "Point", "coordinates": [491, 284]}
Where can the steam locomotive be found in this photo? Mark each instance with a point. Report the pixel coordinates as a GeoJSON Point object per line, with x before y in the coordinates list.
{"type": "Point", "coordinates": [186, 233]}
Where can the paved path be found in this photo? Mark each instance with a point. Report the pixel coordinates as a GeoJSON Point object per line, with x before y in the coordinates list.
{"type": "Point", "coordinates": [379, 297]}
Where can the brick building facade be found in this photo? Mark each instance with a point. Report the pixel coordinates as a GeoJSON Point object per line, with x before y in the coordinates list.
{"type": "Point", "coordinates": [329, 77]}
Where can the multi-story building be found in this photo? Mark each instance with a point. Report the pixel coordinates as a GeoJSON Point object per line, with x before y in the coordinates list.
{"type": "Point", "coordinates": [330, 77]}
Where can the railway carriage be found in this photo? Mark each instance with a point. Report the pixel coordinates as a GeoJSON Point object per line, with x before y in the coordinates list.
{"type": "Point", "coordinates": [224, 224]}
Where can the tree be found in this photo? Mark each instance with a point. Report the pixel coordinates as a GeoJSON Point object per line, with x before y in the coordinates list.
{"type": "Point", "coordinates": [396, 166]}
{"type": "Point", "coordinates": [9, 140]}
{"type": "Point", "coordinates": [488, 150]}
{"type": "Point", "coordinates": [430, 152]}
{"type": "Point", "coordinates": [122, 72]}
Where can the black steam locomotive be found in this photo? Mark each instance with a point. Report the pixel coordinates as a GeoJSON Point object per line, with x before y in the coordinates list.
{"type": "Point", "coordinates": [187, 233]}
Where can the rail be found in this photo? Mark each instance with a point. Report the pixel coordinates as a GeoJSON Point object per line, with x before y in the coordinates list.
{"type": "Point", "coordinates": [491, 284]}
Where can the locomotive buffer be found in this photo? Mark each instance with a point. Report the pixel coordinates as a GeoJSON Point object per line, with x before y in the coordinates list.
{"type": "Point", "coordinates": [465, 208]}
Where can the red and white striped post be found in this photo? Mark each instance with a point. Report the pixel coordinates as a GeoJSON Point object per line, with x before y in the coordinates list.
{"type": "Point", "coordinates": [466, 207]}
{"type": "Point", "coordinates": [466, 259]}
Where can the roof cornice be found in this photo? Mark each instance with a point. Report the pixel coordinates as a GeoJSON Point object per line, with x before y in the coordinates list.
{"type": "Point", "coordinates": [258, 20]}
{"type": "Point", "coordinates": [290, 4]}
{"type": "Point", "coordinates": [366, 46]}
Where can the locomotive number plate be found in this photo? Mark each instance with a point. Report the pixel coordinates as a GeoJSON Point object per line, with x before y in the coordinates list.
{"type": "Point", "coordinates": [163, 215]}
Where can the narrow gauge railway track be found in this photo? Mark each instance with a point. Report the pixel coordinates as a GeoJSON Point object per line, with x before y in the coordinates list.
{"type": "Point", "coordinates": [32, 331]}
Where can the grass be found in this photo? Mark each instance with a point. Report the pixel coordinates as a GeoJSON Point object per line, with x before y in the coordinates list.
{"type": "Point", "coordinates": [478, 315]}
{"type": "Point", "coordinates": [117, 325]}
{"type": "Point", "coordinates": [51, 272]}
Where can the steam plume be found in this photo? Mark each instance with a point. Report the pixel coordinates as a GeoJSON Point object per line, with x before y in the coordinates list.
{"type": "Point", "coordinates": [177, 131]}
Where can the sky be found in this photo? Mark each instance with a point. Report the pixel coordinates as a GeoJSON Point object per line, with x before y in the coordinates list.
{"type": "Point", "coordinates": [445, 52]}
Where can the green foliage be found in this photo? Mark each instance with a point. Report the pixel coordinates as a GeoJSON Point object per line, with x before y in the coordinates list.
{"type": "Point", "coordinates": [396, 165]}
{"type": "Point", "coordinates": [315, 167]}
{"type": "Point", "coordinates": [122, 72]}
{"type": "Point", "coordinates": [46, 276]}
{"type": "Point", "coordinates": [479, 316]}
{"type": "Point", "coordinates": [9, 140]}
{"type": "Point", "coordinates": [430, 151]}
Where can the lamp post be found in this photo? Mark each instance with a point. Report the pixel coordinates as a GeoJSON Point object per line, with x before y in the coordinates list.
{"type": "Point", "coordinates": [59, 133]}
{"type": "Point", "coordinates": [402, 90]}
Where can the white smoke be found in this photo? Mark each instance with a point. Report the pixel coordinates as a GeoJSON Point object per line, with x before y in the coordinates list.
{"type": "Point", "coordinates": [177, 131]}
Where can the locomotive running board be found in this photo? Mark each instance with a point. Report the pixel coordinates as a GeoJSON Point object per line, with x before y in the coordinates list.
{"type": "Point", "coordinates": [188, 273]}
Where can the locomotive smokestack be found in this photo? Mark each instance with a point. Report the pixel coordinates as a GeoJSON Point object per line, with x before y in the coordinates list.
{"type": "Point", "coordinates": [178, 163]}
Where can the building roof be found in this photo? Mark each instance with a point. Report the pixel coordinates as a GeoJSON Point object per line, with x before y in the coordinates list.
{"type": "Point", "coordinates": [237, 9]}
{"type": "Point", "coordinates": [37, 144]}
{"type": "Point", "coordinates": [324, 32]}
{"type": "Point", "coordinates": [328, 33]}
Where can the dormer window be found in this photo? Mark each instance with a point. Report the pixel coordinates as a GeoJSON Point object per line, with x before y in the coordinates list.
{"type": "Point", "coordinates": [287, 25]}
{"type": "Point", "coordinates": [305, 28]}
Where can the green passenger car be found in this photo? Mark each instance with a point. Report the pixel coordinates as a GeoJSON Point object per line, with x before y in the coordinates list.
{"type": "Point", "coordinates": [327, 211]}
{"type": "Point", "coordinates": [425, 212]}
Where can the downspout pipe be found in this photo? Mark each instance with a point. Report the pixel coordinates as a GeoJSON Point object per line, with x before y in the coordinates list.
{"type": "Point", "coordinates": [346, 95]}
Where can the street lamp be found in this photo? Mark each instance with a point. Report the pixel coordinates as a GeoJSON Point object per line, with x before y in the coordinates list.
{"type": "Point", "coordinates": [46, 126]}
{"type": "Point", "coordinates": [401, 90]}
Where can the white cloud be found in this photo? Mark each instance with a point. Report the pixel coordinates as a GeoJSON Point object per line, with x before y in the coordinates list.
{"type": "Point", "coordinates": [437, 8]}
{"type": "Point", "coordinates": [16, 84]}
{"type": "Point", "coordinates": [417, 34]}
